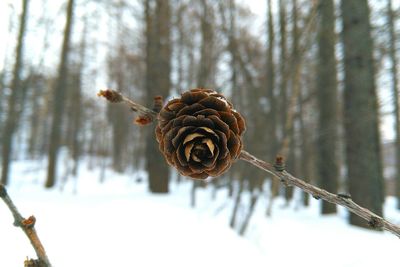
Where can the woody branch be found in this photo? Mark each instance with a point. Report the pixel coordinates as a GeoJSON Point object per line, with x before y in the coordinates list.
{"type": "Point", "coordinates": [28, 227]}
{"type": "Point", "coordinates": [277, 171]}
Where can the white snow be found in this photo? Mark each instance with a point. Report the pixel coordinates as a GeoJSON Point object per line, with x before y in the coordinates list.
{"type": "Point", "coordinates": [118, 223]}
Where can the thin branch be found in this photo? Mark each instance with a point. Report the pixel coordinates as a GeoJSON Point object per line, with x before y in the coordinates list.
{"type": "Point", "coordinates": [116, 97]}
{"type": "Point", "coordinates": [28, 226]}
{"type": "Point", "coordinates": [287, 179]}
{"type": "Point", "coordinates": [278, 171]}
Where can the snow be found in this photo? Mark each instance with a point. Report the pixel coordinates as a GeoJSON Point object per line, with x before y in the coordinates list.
{"type": "Point", "coordinates": [118, 223]}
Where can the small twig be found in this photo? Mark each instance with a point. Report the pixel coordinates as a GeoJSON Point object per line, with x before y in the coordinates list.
{"type": "Point", "coordinates": [116, 97]}
{"type": "Point", "coordinates": [28, 226]}
{"type": "Point", "coordinates": [372, 219]}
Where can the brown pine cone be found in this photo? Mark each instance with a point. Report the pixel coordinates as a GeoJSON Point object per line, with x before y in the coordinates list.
{"type": "Point", "coordinates": [200, 133]}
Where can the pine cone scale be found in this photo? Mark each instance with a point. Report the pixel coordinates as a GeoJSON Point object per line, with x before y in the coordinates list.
{"type": "Point", "coordinates": [181, 134]}
{"type": "Point", "coordinates": [219, 124]}
{"type": "Point", "coordinates": [188, 110]}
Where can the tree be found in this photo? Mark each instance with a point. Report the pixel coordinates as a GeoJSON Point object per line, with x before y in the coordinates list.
{"type": "Point", "coordinates": [16, 93]}
{"type": "Point", "coordinates": [270, 83]}
{"type": "Point", "coordinates": [207, 64]}
{"type": "Point", "coordinates": [395, 91]}
{"type": "Point", "coordinates": [118, 72]}
{"type": "Point", "coordinates": [365, 179]}
{"type": "Point", "coordinates": [283, 59]}
{"type": "Point", "coordinates": [158, 54]}
{"type": "Point", "coordinates": [327, 103]}
{"type": "Point", "coordinates": [59, 99]}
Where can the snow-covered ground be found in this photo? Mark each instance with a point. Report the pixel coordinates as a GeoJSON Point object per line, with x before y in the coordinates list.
{"type": "Point", "coordinates": [118, 223]}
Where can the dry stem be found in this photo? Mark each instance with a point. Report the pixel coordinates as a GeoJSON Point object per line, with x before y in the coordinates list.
{"type": "Point", "coordinates": [287, 179]}
{"type": "Point", "coordinates": [116, 97]}
{"type": "Point", "coordinates": [28, 226]}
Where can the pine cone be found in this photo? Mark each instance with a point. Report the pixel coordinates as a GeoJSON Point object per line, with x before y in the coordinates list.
{"type": "Point", "coordinates": [200, 133]}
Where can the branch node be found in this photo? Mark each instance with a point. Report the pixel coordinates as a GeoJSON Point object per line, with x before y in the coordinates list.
{"type": "Point", "coordinates": [375, 222]}
{"type": "Point", "coordinates": [30, 222]}
{"type": "Point", "coordinates": [279, 164]}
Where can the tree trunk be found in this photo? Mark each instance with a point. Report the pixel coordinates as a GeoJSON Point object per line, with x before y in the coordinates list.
{"type": "Point", "coordinates": [327, 104]}
{"type": "Point", "coordinates": [270, 86]}
{"type": "Point", "coordinates": [34, 122]}
{"type": "Point", "coordinates": [206, 66]}
{"type": "Point", "coordinates": [157, 83]}
{"type": "Point", "coordinates": [395, 92]}
{"type": "Point", "coordinates": [238, 197]}
{"type": "Point", "coordinates": [232, 48]}
{"type": "Point", "coordinates": [59, 100]}
{"type": "Point", "coordinates": [246, 222]}
{"type": "Point", "coordinates": [16, 93]}
{"type": "Point", "coordinates": [283, 63]}
{"type": "Point", "coordinates": [306, 154]}
{"type": "Point", "coordinates": [289, 130]}
{"type": "Point", "coordinates": [361, 110]}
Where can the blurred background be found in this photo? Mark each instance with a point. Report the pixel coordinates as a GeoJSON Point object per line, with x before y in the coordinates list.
{"type": "Point", "coordinates": [317, 82]}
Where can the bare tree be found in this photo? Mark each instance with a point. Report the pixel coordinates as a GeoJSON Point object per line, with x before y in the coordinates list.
{"type": "Point", "coordinates": [59, 99]}
{"type": "Point", "coordinates": [361, 110]}
{"type": "Point", "coordinates": [207, 64]}
{"type": "Point", "coordinates": [283, 60]}
{"type": "Point", "coordinates": [158, 68]}
{"type": "Point", "coordinates": [327, 103]}
{"type": "Point", "coordinates": [270, 84]}
{"type": "Point", "coordinates": [395, 90]}
{"type": "Point", "coordinates": [16, 93]}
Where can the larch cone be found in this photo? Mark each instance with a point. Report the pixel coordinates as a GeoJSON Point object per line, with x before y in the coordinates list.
{"type": "Point", "coordinates": [200, 133]}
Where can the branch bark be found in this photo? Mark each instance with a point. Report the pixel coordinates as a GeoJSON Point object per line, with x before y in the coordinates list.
{"type": "Point", "coordinates": [287, 179]}
{"type": "Point", "coordinates": [116, 97]}
{"type": "Point", "coordinates": [28, 227]}
{"type": "Point", "coordinates": [277, 171]}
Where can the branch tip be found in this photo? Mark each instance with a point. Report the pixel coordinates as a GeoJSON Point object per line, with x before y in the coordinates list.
{"type": "Point", "coordinates": [111, 95]}
{"type": "Point", "coordinates": [145, 116]}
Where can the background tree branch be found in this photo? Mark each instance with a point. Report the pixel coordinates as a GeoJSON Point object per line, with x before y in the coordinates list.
{"type": "Point", "coordinates": [28, 227]}
{"type": "Point", "coordinates": [344, 200]}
